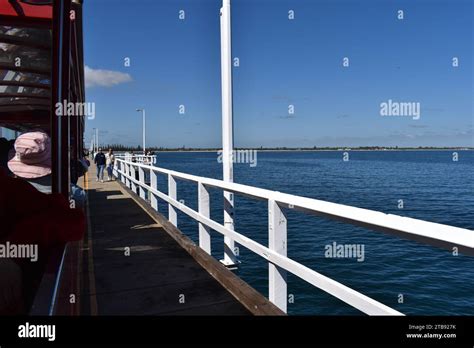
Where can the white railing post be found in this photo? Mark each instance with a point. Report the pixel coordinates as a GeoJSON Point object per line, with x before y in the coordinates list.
{"type": "Point", "coordinates": [133, 176]}
{"type": "Point", "coordinates": [122, 168]}
{"type": "Point", "coordinates": [204, 209]}
{"type": "Point", "coordinates": [154, 185]}
{"type": "Point", "coordinates": [127, 173]}
{"type": "Point", "coordinates": [117, 170]}
{"type": "Point", "coordinates": [172, 193]}
{"type": "Point", "coordinates": [141, 177]}
{"type": "Point", "coordinates": [277, 286]}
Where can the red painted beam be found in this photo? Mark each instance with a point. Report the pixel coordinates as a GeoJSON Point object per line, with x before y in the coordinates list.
{"type": "Point", "coordinates": [7, 8]}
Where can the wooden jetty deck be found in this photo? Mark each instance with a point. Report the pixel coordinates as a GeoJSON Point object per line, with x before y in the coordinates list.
{"type": "Point", "coordinates": [140, 264]}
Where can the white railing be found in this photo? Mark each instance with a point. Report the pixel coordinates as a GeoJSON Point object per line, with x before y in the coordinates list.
{"type": "Point", "coordinates": [145, 159]}
{"type": "Point", "coordinates": [275, 253]}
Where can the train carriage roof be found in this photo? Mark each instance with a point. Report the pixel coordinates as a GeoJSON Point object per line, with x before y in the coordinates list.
{"type": "Point", "coordinates": [27, 8]}
{"type": "Point", "coordinates": [25, 64]}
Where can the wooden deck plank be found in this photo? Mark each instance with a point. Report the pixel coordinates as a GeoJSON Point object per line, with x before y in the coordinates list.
{"type": "Point", "coordinates": [158, 272]}
{"type": "Point", "coordinates": [255, 302]}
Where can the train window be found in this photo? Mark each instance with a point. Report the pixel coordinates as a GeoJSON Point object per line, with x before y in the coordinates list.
{"type": "Point", "coordinates": [25, 104]}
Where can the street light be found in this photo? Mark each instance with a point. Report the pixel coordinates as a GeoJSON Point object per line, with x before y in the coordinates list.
{"type": "Point", "coordinates": [143, 114]}
{"type": "Point", "coordinates": [92, 148]}
{"type": "Point", "coordinates": [96, 139]}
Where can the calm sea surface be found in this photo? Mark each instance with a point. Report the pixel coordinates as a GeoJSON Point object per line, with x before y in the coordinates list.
{"type": "Point", "coordinates": [432, 186]}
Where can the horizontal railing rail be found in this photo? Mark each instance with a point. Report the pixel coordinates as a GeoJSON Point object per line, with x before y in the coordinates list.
{"type": "Point", "coordinates": [145, 159]}
{"type": "Point", "coordinates": [275, 253]}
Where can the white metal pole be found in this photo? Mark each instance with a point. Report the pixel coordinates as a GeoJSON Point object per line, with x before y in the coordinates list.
{"type": "Point", "coordinates": [230, 258]}
{"type": "Point", "coordinates": [144, 151]}
{"type": "Point", "coordinates": [143, 130]}
{"type": "Point", "coordinates": [94, 135]}
{"type": "Point", "coordinates": [97, 138]}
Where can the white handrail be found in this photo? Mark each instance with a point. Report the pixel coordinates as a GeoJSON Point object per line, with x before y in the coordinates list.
{"type": "Point", "coordinates": [145, 159]}
{"type": "Point", "coordinates": [427, 232]}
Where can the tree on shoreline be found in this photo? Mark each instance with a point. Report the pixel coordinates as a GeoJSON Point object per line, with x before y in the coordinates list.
{"type": "Point", "coordinates": [138, 148]}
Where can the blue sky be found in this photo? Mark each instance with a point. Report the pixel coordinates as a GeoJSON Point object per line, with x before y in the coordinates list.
{"type": "Point", "coordinates": [282, 62]}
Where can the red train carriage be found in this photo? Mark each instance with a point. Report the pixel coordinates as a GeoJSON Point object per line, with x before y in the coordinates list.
{"type": "Point", "coordinates": [41, 64]}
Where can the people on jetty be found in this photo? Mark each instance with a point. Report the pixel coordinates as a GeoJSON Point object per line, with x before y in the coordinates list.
{"type": "Point", "coordinates": [79, 167]}
{"type": "Point", "coordinates": [100, 162]}
{"type": "Point", "coordinates": [109, 161]}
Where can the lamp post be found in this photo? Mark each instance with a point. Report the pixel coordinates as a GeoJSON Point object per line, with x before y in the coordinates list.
{"type": "Point", "coordinates": [92, 142]}
{"type": "Point", "coordinates": [230, 258]}
{"type": "Point", "coordinates": [96, 139]}
{"type": "Point", "coordinates": [144, 125]}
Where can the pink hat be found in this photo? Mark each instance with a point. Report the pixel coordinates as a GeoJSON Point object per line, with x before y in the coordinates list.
{"type": "Point", "coordinates": [32, 158]}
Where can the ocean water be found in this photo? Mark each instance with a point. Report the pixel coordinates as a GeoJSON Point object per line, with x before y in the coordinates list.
{"type": "Point", "coordinates": [432, 186]}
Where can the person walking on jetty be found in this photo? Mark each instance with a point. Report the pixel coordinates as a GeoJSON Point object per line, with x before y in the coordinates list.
{"type": "Point", "coordinates": [109, 161]}
{"type": "Point", "coordinates": [100, 161]}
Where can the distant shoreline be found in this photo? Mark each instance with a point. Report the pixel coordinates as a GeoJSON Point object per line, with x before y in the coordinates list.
{"type": "Point", "coordinates": [310, 150]}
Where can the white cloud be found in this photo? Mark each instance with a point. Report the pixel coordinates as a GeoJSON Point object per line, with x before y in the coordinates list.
{"type": "Point", "coordinates": [104, 78]}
